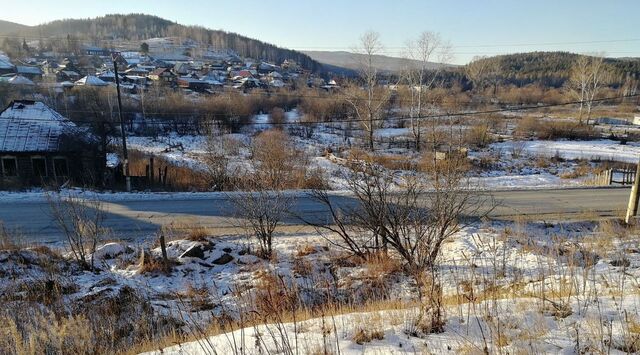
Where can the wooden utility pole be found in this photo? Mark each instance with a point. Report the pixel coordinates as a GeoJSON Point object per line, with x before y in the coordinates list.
{"type": "Point", "coordinates": [632, 208]}
{"type": "Point", "coordinates": [125, 154]}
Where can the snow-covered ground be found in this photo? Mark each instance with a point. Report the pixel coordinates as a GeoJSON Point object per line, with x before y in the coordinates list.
{"type": "Point", "coordinates": [590, 150]}
{"type": "Point", "coordinates": [515, 166]}
{"type": "Point", "coordinates": [539, 287]}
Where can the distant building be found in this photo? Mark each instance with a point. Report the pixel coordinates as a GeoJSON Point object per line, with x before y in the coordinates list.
{"type": "Point", "coordinates": [91, 50]}
{"type": "Point", "coordinates": [163, 74]}
{"type": "Point", "coordinates": [6, 67]}
{"type": "Point", "coordinates": [33, 73]}
{"type": "Point", "coordinates": [39, 146]}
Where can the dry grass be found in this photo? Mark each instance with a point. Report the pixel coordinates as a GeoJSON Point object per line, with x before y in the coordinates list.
{"type": "Point", "coordinates": [388, 161]}
{"type": "Point", "coordinates": [583, 169]}
{"type": "Point", "coordinates": [179, 178]}
{"type": "Point", "coordinates": [153, 265]}
{"type": "Point", "coordinates": [185, 228]}
{"type": "Point", "coordinates": [362, 336]}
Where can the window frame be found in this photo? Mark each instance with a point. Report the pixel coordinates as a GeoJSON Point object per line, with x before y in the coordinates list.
{"type": "Point", "coordinates": [55, 166]}
{"type": "Point", "coordinates": [15, 160]}
{"type": "Point", "coordinates": [46, 169]}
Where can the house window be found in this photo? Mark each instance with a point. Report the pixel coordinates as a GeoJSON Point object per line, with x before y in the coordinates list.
{"type": "Point", "coordinates": [60, 167]}
{"type": "Point", "coordinates": [9, 166]}
{"type": "Point", "coordinates": [39, 166]}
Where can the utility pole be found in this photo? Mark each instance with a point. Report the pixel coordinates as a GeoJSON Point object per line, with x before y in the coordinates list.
{"type": "Point", "coordinates": [125, 154]}
{"type": "Point", "coordinates": [632, 208]}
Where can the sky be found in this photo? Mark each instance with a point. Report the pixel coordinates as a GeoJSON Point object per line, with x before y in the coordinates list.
{"type": "Point", "coordinates": [474, 27]}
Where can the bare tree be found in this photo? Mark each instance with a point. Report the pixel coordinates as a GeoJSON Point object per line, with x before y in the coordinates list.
{"type": "Point", "coordinates": [369, 102]}
{"type": "Point", "coordinates": [484, 72]}
{"type": "Point", "coordinates": [412, 217]}
{"type": "Point", "coordinates": [277, 162]}
{"type": "Point", "coordinates": [428, 47]}
{"type": "Point", "coordinates": [588, 76]}
{"type": "Point", "coordinates": [216, 158]}
{"type": "Point", "coordinates": [81, 222]}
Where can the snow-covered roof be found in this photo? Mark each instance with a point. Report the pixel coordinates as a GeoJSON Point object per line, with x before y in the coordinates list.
{"type": "Point", "coordinates": [30, 126]}
{"type": "Point", "coordinates": [23, 69]}
{"type": "Point", "coordinates": [91, 80]}
{"type": "Point", "coordinates": [6, 64]}
{"type": "Point", "coordinates": [20, 80]}
{"type": "Point", "coordinates": [276, 83]}
{"type": "Point", "coordinates": [107, 74]}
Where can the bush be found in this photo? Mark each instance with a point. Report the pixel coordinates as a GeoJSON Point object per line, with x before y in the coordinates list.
{"type": "Point", "coordinates": [554, 129]}
{"type": "Point", "coordinates": [479, 136]}
{"type": "Point", "coordinates": [277, 117]}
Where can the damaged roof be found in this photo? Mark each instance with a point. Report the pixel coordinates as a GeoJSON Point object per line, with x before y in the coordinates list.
{"type": "Point", "coordinates": [31, 126]}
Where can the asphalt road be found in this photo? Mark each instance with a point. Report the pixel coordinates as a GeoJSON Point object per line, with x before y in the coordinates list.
{"type": "Point", "coordinates": [141, 218]}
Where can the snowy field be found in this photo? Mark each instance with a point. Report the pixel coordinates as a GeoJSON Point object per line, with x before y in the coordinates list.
{"type": "Point", "coordinates": [534, 288]}
{"type": "Point", "coordinates": [510, 172]}
{"type": "Point", "coordinates": [590, 150]}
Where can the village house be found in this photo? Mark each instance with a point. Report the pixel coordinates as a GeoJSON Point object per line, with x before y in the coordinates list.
{"type": "Point", "coordinates": [38, 146]}
{"type": "Point", "coordinates": [6, 67]}
{"type": "Point", "coordinates": [162, 74]}
{"type": "Point", "coordinates": [30, 72]}
{"type": "Point", "coordinates": [193, 84]}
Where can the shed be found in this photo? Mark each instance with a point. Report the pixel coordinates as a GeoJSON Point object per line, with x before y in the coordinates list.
{"type": "Point", "coordinates": [39, 146]}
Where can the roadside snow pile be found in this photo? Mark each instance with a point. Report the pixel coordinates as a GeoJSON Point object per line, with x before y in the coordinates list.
{"type": "Point", "coordinates": [591, 150]}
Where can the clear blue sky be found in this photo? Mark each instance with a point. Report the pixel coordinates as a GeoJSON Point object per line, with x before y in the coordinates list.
{"type": "Point", "coordinates": [474, 27]}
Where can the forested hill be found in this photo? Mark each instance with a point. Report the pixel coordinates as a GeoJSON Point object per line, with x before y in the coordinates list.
{"type": "Point", "coordinates": [553, 68]}
{"type": "Point", "coordinates": [138, 27]}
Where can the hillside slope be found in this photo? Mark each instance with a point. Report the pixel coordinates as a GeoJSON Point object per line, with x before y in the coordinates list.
{"type": "Point", "coordinates": [352, 61]}
{"type": "Point", "coordinates": [105, 30]}
{"type": "Point", "coordinates": [553, 68]}
{"type": "Point", "coordinates": [9, 27]}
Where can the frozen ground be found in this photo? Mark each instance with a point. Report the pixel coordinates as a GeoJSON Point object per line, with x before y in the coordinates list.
{"type": "Point", "coordinates": [535, 288]}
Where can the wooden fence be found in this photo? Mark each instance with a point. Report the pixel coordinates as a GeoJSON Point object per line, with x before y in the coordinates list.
{"type": "Point", "coordinates": [616, 176]}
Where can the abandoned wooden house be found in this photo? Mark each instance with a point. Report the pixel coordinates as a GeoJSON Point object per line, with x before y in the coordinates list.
{"type": "Point", "coordinates": [38, 146]}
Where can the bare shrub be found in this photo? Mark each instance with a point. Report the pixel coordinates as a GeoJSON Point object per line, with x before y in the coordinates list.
{"type": "Point", "coordinates": [216, 159]}
{"type": "Point", "coordinates": [261, 212]}
{"type": "Point", "coordinates": [479, 135]}
{"type": "Point", "coordinates": [554, 129]}
{"type": "Point", "coordinates": [277, 162]}
{"type": "Point", "coordinates": [362, 336]}
{"type": "Point", "coordinates": [277, 117]}
{"type": "Point", "coordinates": [81, 222]}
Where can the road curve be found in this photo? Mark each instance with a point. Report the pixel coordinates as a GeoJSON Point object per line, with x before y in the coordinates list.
{"type": "Point", "coordinates": [140, 218]}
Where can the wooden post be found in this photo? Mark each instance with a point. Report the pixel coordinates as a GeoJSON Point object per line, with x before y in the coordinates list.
{"type": "Point", "coordinates": [632, 208]}
{"type": "Point", "coordinates": [163, 247]}
{"type": "Point", "coordinates": [610, 177]}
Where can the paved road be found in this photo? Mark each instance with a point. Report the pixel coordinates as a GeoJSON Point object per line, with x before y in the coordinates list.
{"type": "Point", "coordinates": [141, 218]}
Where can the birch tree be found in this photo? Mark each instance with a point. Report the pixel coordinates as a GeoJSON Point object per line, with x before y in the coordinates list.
{"type": "Point", "coordinates": [427, 47]}
{"type": "Point", "coordinates": [588, 77]}
{"type": "Point", "coordinates": [369, 102]}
